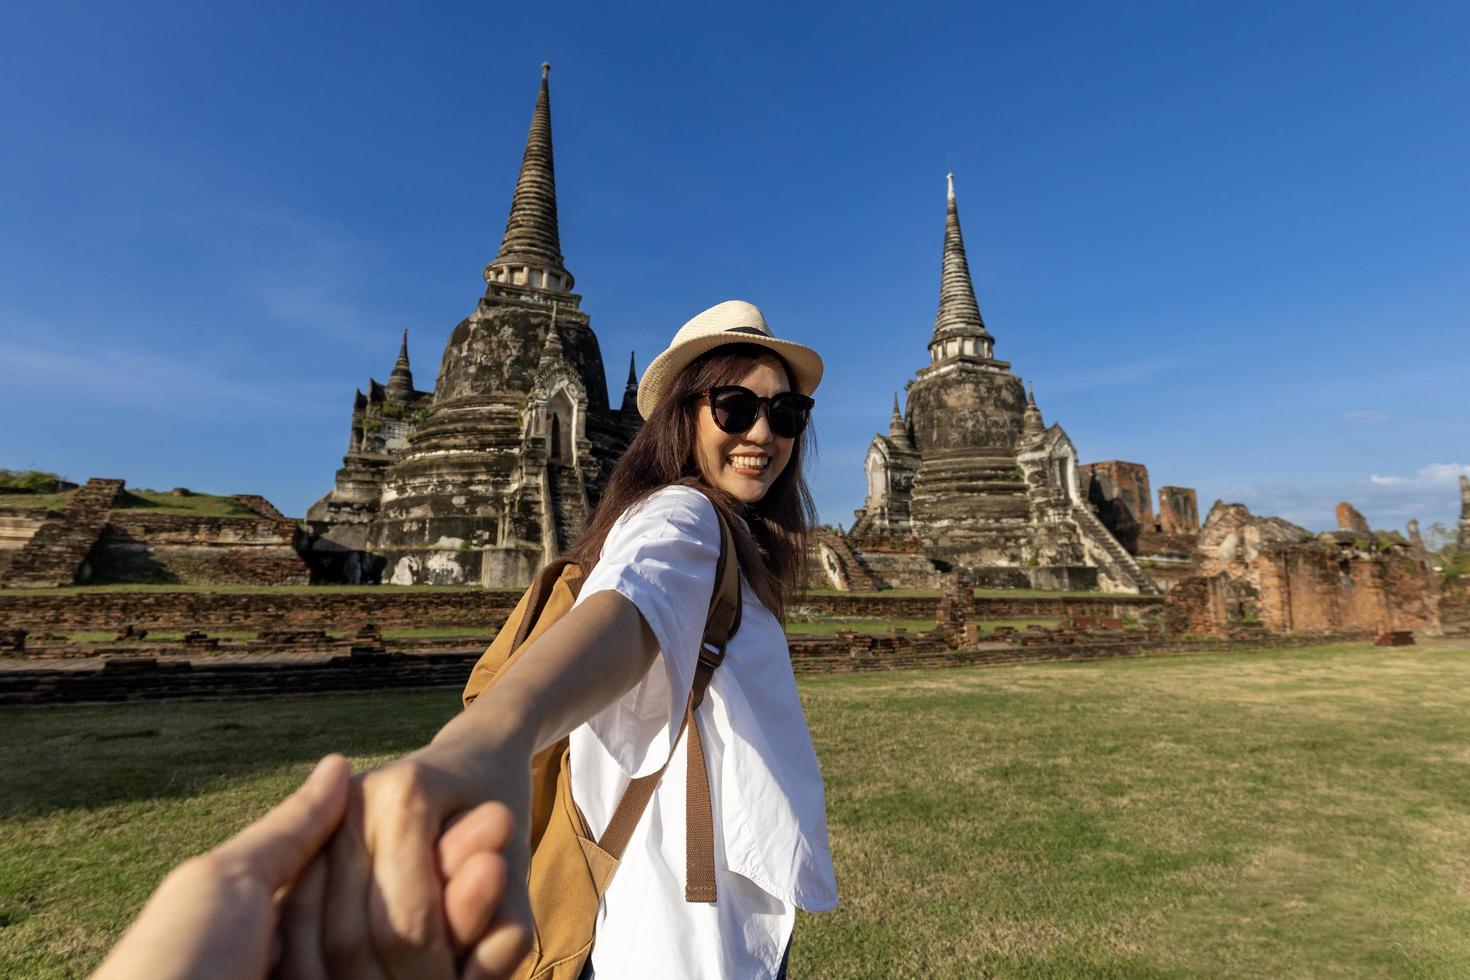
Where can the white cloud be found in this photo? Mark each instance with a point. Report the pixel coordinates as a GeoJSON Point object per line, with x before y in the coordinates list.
{"type": "Point", "coordinates": [1365, 417]}
{"type": "Point", "coordinates": [1432, 477]}
{"type": "Point", "coordinates": [1430, 495]}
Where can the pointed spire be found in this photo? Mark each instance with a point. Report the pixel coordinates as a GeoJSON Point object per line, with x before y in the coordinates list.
{"type": "Point", "coordinates": [1032, 424]}
{"type": "Point", "coordinates": [959, 314]}
{"type": "Point", "coordinates": [898, 429]}
{"type": "Point", "coordinates": [532, 239]}
{"type": "Point", "coordinates": [629, 408]}
{"type": "Point", "coordinates": [552, 350]}
{"type": "Point", "coordinates": [400, 382]}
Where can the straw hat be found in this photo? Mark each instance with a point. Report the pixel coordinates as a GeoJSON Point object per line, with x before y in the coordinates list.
{"type": "Point", "coordinates": [731, 322]}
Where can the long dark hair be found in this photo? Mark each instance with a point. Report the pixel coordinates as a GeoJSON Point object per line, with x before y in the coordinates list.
{"type": "Point", "coordinates": [773, 554]}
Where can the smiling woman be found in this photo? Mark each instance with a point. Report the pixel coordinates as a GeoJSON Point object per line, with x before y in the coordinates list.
{"type": "Point", "coordinates": [624, 675]}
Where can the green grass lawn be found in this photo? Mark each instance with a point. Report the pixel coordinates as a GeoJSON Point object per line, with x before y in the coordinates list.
{"type": "Point", "coordinates": [486, 633]}
{"type": "Point", "coordinates": [195, 504]}
{"type": "Point", "coordinates": [198, 504]}
{"type": "Point", "coordinates": [36, 501]}
{"type": "Point", "coordinates": [1301, 813]}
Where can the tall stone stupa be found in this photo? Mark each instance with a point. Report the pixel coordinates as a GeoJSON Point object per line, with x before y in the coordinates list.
{"type": "Point", "coordinates": [971, 476]}
{"type": "Point", "coordinates": [497, 471]}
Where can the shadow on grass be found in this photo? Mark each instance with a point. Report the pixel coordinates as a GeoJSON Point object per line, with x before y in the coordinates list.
{"type": "Point", "coordinates": [85, 757]}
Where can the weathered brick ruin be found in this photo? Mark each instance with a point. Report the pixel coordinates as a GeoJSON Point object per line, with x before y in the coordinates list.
{"type": "Point", "coordinates": [1178, 513]}
{"type": "Point", "coordinates": [1120, 496]}
{"type": "Point", "coordinates": [329, 609]}
{"type": "Point", "coordinates": [142, 547]}
{"type": "Point", "coordinates": [103, 535]}
{"type": "Point", "coordinates": [1464, 528]}
{"type": "Point", "coordinates": [498, 469]}
{"type": "Point", "coordinates": [1268, 572]}
{"type": "Point", "coordinates": [1349, 519]}
{"type": "Point", "coordinates": [971, 477]}
{"type": "Point", "coordinates": [60, 548]}
{"type": "Point", "coordinates": [267, 643]}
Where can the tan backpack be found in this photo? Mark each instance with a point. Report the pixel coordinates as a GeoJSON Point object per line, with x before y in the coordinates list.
{"type": "Point", "coordinates": [570, 871]}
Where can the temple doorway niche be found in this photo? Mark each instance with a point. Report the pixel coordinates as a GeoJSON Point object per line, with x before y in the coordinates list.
{"type": "Point", "coordinates": [560, 429]}
{"type": "Point", "coordinates": [1063, 465]}
{"type": "Point", "coordinates": [877, 479]}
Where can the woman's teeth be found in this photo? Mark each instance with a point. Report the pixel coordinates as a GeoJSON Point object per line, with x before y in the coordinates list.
{"type": "Point", "coordinates": [750, 462]}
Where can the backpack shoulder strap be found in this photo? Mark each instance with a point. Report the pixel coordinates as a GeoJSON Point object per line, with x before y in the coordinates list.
{"type": "Point", "coordinates": [699, 814]}
{"type": "Point", "coordinates": [721, 624]}
{"type": "Point", "coordinates": [723, 619]}
{"type": "Point", "coordinates": [540, 591]}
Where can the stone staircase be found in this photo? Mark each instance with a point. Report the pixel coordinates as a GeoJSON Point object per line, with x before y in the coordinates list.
{"type": "Point", "coordinates": [568, 504]}
{"type": "Point", "coordinates": [859, 579]}
{"type": "Point", "coordinates": [1119, 563]}
{"type": "Point", "coordinates": [259, 505]}
{"type": "Point", "coordinates": [57, 554]}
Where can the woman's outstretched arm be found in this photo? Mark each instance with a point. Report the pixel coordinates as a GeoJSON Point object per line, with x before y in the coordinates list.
{"type": "Point", "coordinates": [383, 907]}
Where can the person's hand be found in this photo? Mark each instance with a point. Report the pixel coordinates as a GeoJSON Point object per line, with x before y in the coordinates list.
{"type": "Point", "coordinates": [424, 879]}
{"type": "Point", "coordinates": [215, 914]}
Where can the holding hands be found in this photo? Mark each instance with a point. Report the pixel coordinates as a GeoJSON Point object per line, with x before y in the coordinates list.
{"type": "Point", "coordinates": [421, 879]}
{"type": "Point", "coordinates": [415, 870]}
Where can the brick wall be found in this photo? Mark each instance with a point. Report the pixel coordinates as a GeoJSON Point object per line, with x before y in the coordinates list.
{"type": "Point", "coordinates": [384, 606]}
{"type": "Point", "coordinates": [1454, 607]}
{"type": "Point", "coordinates": [143, 547]}
{"type": "Point", "coordinates": [1126, 483]}
{"type": "Point", "coordinates": [390, 608]}
{"type": "Point", "coordinates": [1178, 511]}
{"type": "Point", "coordinates": [146, 678]}
{"type": "Point", "coordinates": [1312, 590]}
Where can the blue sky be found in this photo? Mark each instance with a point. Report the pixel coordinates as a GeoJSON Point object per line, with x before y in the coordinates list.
{"type": "Point", "coordinates": [1225, 240]}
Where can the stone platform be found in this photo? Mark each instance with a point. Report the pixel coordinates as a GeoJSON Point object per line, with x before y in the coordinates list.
{"type": "Point", "coordinates": [31, 680]}
{"type": "Point", "coordinates": [390, 608]}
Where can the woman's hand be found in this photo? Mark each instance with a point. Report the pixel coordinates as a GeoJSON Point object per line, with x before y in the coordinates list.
{"type": "Point", "coordinates": [393, 902]}
{"type": "Point", "coordinates": [422, 874]}
{"type": "Point", "coordinates": [215, 915]}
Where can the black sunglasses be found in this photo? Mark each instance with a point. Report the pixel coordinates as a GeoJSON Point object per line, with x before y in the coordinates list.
{"type": "Point", "coordinates": [735, 410]}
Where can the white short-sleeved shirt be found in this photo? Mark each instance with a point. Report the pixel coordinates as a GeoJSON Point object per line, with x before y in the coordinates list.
{"type": "Point", "coordinates": [771, 850]}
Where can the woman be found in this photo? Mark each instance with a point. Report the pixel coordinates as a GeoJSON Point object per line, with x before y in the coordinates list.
{"type": "Point", "coordinates": [725, 407]}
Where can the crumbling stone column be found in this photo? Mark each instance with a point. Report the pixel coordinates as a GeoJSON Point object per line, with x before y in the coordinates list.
{"type": "Point", "coordinates": [957, 618]}
{"type": "Point", "coordinates": [1348, 519]}
{"type": "Point", "coordinates": [1178, 511]}
{"type": "Point", "coordinates": [1464, 535]}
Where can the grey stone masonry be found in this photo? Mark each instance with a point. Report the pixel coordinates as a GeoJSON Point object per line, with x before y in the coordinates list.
{"type": "Point", "coordinates": [497, 470]}
{"type": "Point", "coordinates": [1464, 537]}
{"type": "Point", "coordinates": [971, 470]}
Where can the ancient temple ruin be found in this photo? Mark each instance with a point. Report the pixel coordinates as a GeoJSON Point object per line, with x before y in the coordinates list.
{"type": "Point", "coordinates": [497, 469]}
{"type": "Point", "coordinates": [970, 475]}
{"type": "Point", "coordinates": [1463, 536]}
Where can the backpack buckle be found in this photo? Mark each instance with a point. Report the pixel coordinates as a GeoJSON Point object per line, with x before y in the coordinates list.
{"type": "Point", "coordinates": [711, 656]}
